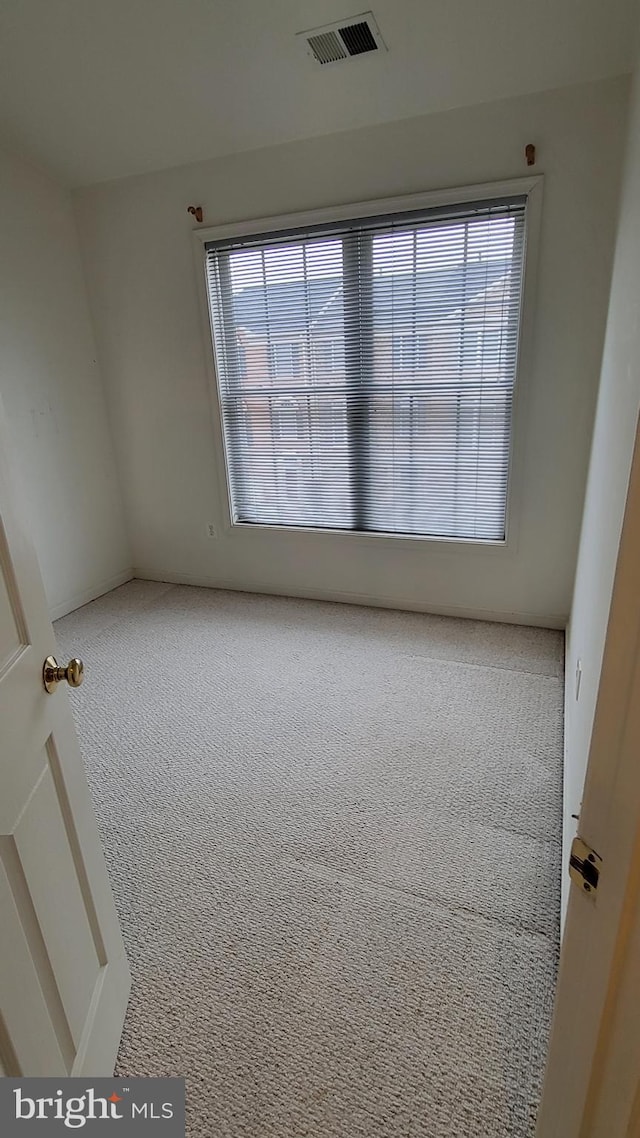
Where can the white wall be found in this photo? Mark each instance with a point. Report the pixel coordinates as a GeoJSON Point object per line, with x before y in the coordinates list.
{"type": "Point", "coordinates": [50, 386]}
{"type": "Point", "coordinates": [136, 237]}
{"type": "Point", "coordinates": [613, 443]}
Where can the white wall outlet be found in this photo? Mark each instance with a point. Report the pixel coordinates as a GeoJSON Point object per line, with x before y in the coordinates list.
{"type": "Point", "coordinates": [578, 677]}
{"type": "Point", "coordinates": [211, 529]}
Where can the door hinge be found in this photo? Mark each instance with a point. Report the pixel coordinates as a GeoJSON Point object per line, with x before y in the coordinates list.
{"type": "Point", "coordinates": [584, 866]}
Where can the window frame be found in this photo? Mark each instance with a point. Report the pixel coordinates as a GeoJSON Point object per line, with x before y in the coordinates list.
{"type": "Point", "coordinates": [530, 187]}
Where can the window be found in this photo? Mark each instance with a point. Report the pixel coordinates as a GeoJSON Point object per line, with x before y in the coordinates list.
{"type": "Point", "coordinates": [328, 358]}
{"type": "Point", "coordinates": [409, 351]}
{"type": "Point", "coordinates": [381, 370]}
{"type": "Point", "coordinates": [286, 359]}
{"type": "Point", "coordinates": [246, 435]}
{"type": "Point", "coordinates": [286, 419]}
{"type": "Point", "coordinates": [333, 421]}
{"type": "Point", "coordinates": [403, 352]}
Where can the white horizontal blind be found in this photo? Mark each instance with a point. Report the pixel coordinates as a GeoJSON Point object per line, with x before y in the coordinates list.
{"type": "Point", "coordinates": [366, 371]}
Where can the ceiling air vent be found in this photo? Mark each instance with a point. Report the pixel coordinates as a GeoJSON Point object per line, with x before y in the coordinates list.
{"type": "Point", "coordinates": [335, 42]}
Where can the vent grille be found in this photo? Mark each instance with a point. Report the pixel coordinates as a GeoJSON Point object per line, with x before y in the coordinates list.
{"type": "Point", "coordinates": [358, 38]}
{"type": "Point", "coordinates": [327, 47]}
{"type": "Point", "coordinates": [336, 42]}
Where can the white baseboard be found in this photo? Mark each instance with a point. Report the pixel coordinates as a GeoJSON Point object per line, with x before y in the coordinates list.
{"type": "Point", "coordinates": [90, 594]}
{"type": "Point", "coordinates": [557, 621]}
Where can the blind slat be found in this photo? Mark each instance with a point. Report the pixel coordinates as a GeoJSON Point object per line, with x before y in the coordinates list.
{"type": "Point", "coordinates": [366, 372]}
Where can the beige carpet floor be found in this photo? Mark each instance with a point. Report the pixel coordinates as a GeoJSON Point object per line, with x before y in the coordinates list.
{"type": "Point", "coordinates": [334, 840]}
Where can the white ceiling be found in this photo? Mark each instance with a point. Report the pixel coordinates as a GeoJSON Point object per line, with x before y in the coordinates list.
{"type": "Point", "coordinates": [99, 89]}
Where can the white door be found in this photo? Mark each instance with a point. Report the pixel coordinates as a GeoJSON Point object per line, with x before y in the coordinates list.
{"type": "Point", "coordinates": [64, 979]}
{"type": "Point", "coordinates": [592, 1085]}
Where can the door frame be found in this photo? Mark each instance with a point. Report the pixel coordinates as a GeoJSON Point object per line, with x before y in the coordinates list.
{"type": "Point", "coordinates": [592, 1081]}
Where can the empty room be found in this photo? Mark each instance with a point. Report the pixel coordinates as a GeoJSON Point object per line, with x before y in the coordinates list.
{"type": "Point", "coordinates": [319, 551]}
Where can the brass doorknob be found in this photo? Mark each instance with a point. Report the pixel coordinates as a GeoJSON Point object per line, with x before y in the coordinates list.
{"type": "Point", "coordinates": [53, 673]}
